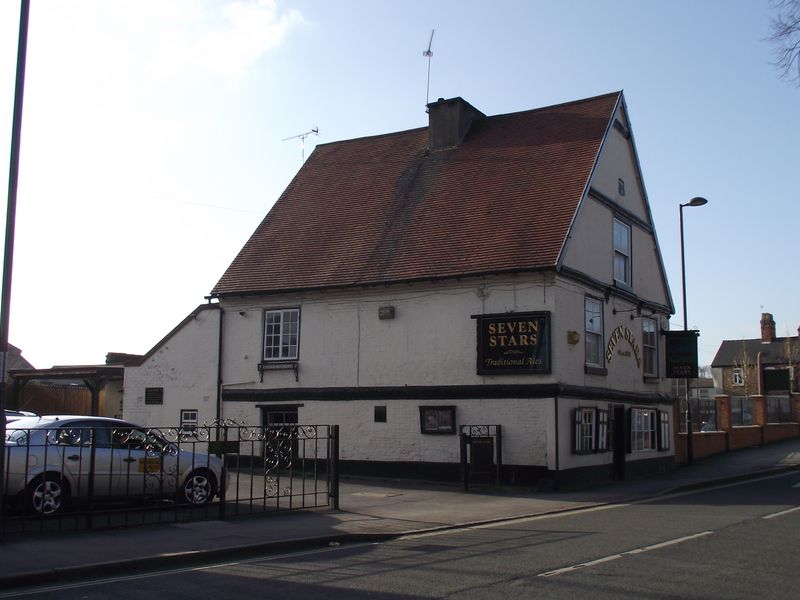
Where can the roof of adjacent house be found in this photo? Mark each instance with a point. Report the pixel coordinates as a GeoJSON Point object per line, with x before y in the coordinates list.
{"type": "Point", "coordinates": [733, 353]}
{"type": "Point", "coordinates": [387, 209]}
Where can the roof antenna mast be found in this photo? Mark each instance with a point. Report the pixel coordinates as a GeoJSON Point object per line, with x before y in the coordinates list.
{"type": "Point", "coordinates": [429, 54]}
{"type": "Point", "coordinates": [302, 137]}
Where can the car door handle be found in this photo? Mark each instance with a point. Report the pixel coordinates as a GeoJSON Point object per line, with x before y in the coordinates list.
{"type": "Point", "coordinates": [129, 460]}
{"type": "Point", "coordinates": [74, 457]}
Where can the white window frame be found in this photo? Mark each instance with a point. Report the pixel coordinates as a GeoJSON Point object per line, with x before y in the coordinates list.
{"type": "Point", "coordinates": [189, 420]}
{"type": "Point", "coordinates": [664, 442]}
{"type": "Point", "coordinates": [281, 334]}
{"type": "Point", "coordinates": [737, 377]}
{"type": "Point", "coordinates": [585, 426]}
{"type": "Point", "coordinates": [622, 253]}
{"type": "Point", "coordinates": [643, 429]}
{"type": "Point", "coordinates": [593, 323]}
{"type": "Point", "coordinates": [650, 347]}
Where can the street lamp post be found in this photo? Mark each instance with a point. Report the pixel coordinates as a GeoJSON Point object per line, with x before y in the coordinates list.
{"type": "Point", "coordinates": [697, 201]}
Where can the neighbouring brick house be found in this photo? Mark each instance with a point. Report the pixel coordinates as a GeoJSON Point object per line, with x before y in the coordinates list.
{"type": "Point", "coordinates": [492, 276]}
{"type": "Point", "coordinates": [761, 370]}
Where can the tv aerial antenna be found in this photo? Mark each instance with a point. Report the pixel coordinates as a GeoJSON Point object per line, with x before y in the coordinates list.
{"type": "Point", "coordinates": [429, 54]}
{"type": "Point", "coordinates": [302, 137]}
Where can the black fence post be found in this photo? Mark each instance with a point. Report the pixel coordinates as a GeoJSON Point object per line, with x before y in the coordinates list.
{"type": "Point", "coordinates": [224, 484]}
{"type": "Point", "coordinates": [333, 460]}
{"type": "Point", "coordinates": [464, 463]}
{"type": "Point", "coordinates": [499, 466]}
{"type": "Point", "coordinates": [92, 466]}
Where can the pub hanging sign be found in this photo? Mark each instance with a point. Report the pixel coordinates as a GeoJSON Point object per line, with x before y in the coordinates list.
{"type": "Point", "coordinates": [681, 351]}
{"type": "Point", "coordinates": [514, 343]}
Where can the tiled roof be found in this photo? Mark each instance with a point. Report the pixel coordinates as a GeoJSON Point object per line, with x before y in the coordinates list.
{"type": "Point", "coordinates": [386, 209]}
{"type": "Point", "coordinates": [737, 352]}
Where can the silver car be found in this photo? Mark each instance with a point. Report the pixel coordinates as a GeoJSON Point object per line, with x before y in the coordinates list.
{"type": "Point", "coordinates": [53, 461]}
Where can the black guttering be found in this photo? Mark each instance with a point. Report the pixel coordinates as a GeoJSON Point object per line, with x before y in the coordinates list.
{"type": "Point", "coordinates": [450, 392]}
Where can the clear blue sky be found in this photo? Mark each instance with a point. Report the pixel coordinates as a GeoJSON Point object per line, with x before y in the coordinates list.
{"type": "Point", "coordinates": [152, 139]}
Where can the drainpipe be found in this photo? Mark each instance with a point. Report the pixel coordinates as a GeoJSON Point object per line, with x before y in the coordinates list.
{"type": "Point", "coordinates": [555, 482]}
{"type": "Point", "coordinates": [219, 364]}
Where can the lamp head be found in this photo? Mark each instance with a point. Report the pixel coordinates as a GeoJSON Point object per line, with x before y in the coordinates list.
{"type": "Point", "coordinates": [696, 201]}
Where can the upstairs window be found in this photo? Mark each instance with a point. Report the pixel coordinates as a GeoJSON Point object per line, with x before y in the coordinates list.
{"type": "Point", "coordinates": [622, 252]}
{"type": "Point", "coordinates": [738, 377]}
{"type": "Point", "coordinates": [594, 332]}
{"type": "Point", "coordinates": [281, 334]}
{"type": "Point", "coordinates": [650, 347]}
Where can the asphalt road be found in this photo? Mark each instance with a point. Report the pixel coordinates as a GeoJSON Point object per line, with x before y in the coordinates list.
{"type": "Point", "coordinates": [735, 541]}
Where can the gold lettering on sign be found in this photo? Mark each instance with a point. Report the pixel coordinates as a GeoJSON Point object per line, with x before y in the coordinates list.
{"type": "Point", "coordinates": [623, 333]}
{"type": "Point", "coordinates": [511, 334]}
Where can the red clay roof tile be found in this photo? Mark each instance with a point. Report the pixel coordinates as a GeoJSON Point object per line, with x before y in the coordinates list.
{"type": "Point", "coordinates": [385, 209]}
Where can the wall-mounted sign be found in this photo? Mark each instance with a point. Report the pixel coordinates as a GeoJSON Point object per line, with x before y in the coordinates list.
{"type": "Point", "coordinates": [681, 351]}
{"type": "Point", "coordinates": [514, 343]}
{"type": "Point", "coordinates": [620, 334]}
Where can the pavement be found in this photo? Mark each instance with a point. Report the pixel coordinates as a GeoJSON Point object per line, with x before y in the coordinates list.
{"type": "Point", "coordinates": [371, 510]}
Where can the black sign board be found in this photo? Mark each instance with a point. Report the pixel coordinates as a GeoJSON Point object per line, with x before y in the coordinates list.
{"type": "Point", "coordinates": [514, 343]}
{"type": "Point", "coordinates": [681, 354]}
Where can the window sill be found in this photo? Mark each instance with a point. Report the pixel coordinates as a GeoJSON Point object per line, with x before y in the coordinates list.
{"type": "Point", "coordinates": [278, 365]}
{"type": "Point", "coordinates": [652, 379]}
{"type": "Point", "coordinates": [621, 285]}
{"type": "Point", "coordinates": [589, 370]}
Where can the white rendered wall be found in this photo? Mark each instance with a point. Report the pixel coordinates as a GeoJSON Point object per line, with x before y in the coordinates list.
{"type": "Point", "coordinates": [186, 367]}
{"type": "Point", "coordinates": [524, 429]}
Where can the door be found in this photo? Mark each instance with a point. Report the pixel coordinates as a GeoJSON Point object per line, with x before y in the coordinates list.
{"type": "Point", "coordinates": [280, 443]}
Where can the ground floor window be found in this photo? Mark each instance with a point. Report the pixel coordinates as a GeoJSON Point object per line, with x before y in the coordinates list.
{"type": "Point", "coordinates": [188, 421]}
{"type": "Point", "coordinates": [591, 430]}
{"type": "Point", "coordinates": [643, 429]}
{"type": "Point", "coordinates": [665, 434]}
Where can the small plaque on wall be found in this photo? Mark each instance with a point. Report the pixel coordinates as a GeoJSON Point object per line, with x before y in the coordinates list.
{"type": "Point", "coordinates": [514, 343]}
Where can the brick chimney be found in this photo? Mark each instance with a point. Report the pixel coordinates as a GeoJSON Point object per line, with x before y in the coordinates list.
{"type": "Point", "coordinates": [449, 122]}
{"type": "Point", "coordinates": [767, 328]}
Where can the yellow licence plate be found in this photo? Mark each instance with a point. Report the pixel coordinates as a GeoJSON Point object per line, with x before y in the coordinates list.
{"type": "Point", "coordinates": [149, 465]}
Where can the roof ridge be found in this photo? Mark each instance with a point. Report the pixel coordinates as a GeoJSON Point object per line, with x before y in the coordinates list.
{"type": "Point", "coordinates": [558, 105]}
{"type": "Point", "coordinates": [373, 137]}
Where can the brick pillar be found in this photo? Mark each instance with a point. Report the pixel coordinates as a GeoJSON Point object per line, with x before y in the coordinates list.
{"type": "Point", "coordinates": [724, 417]}
{"type": "Point", "coordinates": [796, 407]}
{"type": "Point", "coordinates": [723, 411]}
{"type": "Point", "coordinates": [759, 410]}
{"type": "Point", "coordinates": [760, 414]}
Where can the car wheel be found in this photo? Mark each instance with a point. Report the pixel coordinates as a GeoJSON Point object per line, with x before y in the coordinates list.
{"type": "Point", "coordinates": [47, 495]}
{"type": "Point", "coordinates": [200, 487]}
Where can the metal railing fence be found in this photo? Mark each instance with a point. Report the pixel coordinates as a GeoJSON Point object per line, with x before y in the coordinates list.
{"type": "Point", "coordinates": [84, 473]}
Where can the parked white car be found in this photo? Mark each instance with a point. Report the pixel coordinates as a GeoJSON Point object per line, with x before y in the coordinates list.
{"type": "Point", "coordinates": [53, 461]}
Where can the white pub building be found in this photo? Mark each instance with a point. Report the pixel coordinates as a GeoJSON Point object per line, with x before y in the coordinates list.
{"type": "Point", "coordinates": [492, 276]}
